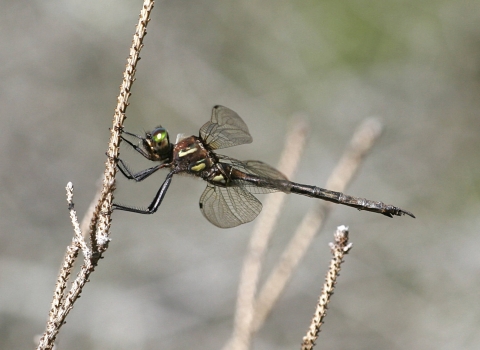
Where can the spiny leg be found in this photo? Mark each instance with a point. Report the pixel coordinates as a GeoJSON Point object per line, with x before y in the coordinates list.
{"type": "Point", "coordinates": [139, 176]}
{"type": "Point", "coordinates": [135, 147]}
{"type": "Point", "coordinates": [134, 135]}
{"type": "Point", "coordinates": [157, 200]}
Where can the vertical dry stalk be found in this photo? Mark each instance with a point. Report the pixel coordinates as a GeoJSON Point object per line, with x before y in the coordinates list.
{"type": "Point", "coordinates": [101, 220]}
{"type": "Point", "coordinates": [100, 224]}
{"type": "Point", "coordinates": [261, 234]}
{"type": "Point", "coordinates": [361, 143]}
{"type": "Point", "coordinates": [339, 249]}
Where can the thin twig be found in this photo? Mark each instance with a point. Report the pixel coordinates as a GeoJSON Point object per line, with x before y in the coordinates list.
{"type": "Point", "coordinates": [101, 219]}
{"type": "Point", "coordinates": [361, 143]}
{"type": "Point", "coordinates": [57, 309]}
{"type": "Point", "coordinates": [339, 249]}
{"type": "Point", "coordinates": [261, 235]}
{"type": "Point", "coordinates": [87, 218]}
{"type": "Point", "coordinates": [78, 239]}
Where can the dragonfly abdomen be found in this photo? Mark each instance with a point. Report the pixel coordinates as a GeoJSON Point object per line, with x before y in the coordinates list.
{"type": "Point", "coordinates": [351, 201]}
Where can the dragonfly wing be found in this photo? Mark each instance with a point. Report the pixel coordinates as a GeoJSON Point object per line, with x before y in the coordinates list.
{"type": "Point", "coordinates": [254, 167]}
{"type": "Point", "coordinates": [262, 169]}
{"type": "Point", "coordinates": [225, 129]}
{"type": "Point", "coordinates": [227, 207]}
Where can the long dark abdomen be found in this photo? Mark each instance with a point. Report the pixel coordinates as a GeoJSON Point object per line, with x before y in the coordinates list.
{"type": "Point", "coordinates": [340, 198]}
{"type": "Point", "coordinates": [321, 193]}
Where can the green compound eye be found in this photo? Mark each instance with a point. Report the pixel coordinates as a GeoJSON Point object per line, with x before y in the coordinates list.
{"type": "Point", "coordinates": [159, 134]}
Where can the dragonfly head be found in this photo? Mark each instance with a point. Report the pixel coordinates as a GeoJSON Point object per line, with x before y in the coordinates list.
{"type": "Point", "coordinates": [157, 143]}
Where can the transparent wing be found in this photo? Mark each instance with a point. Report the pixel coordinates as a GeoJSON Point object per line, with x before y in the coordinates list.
{"type": "Point", "coordinates": [227, 207]}
{"type": "Point", "coordinates": [225, 129]}
{"type": "Point", "coordinates": [278, 181]}
{"type": "Point", "coordinates": [259, 168]}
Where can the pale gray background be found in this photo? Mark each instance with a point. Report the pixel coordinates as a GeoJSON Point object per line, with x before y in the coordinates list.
{"type": "Point", "coordinates": [169, 280]}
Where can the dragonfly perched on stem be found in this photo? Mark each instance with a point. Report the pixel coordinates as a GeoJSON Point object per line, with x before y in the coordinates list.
{"type": "Point", "coordinates": [228, 200]}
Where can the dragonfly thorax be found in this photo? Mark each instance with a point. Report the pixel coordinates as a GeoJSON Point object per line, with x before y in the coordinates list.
{"type": "Point", "coordinates": [190, 155]}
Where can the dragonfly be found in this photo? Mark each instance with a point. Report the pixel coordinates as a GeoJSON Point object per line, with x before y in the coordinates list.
{"type": "Point", "coordinates": [228, 200]}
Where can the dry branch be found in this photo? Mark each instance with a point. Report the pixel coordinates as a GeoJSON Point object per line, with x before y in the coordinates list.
{"type": "Point", "coordinates": [261, 235]}
{"type": "Point", "coordinates": [339, 249]}
{"type": "Point", "coordinates": [246, 323]}
{"type": "Point", "coordinates": [361, 143]}
{"type": "Point", "coordinates": [100, 219]}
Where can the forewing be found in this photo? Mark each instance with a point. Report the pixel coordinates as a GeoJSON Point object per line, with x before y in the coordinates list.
{"type": "Point", "coordinates": [225, 129]}
{"type": "Point", "coordinates": [227, 207]}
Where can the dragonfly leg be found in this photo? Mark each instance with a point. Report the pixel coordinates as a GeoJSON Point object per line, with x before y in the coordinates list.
{"type": "Point", "coordinates": [141, 175]}
{"type": "Point", "coordinates": [134, 135]}
{"type": "Point", "coordinates": [157, 200]}
{"type": "Point", "coordinates": [135, 147]}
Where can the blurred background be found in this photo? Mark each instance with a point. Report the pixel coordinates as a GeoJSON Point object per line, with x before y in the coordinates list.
{"type": "Point", "coordinates": [169, 280]}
